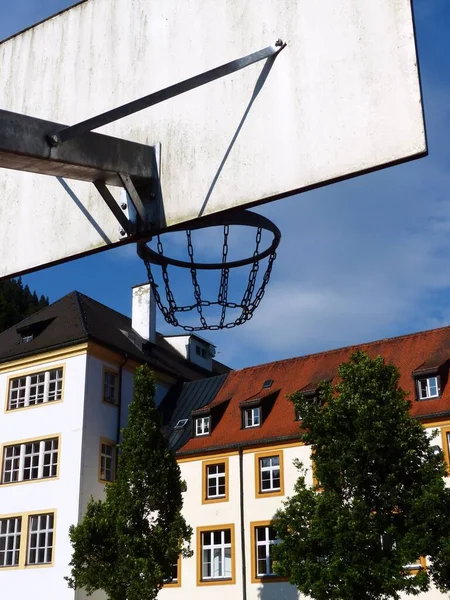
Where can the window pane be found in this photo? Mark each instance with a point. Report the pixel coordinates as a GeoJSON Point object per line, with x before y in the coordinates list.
{"type": "Point", "coordinates": [227, 536]}
{"type": "Point", "coordinates": [227, 569]}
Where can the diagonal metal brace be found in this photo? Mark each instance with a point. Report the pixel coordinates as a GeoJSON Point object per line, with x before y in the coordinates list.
{"type": "Point", "coordinates": [174, 90]}
{"type": "Point", "coordinates": [134, 197]}
{"type": "Point", "coordinates": [125, 223]}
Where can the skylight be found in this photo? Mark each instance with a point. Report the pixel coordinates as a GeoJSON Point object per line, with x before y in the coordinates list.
{"type": "Point", "coordinates": [181, 424]}
{"type": "Point", "coordinates": [267, 384]}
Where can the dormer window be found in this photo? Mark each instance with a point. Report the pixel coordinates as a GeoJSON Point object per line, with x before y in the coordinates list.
{"type": "Point", "coordinates": [252, 417]}
{"type": "Point", "coordinates": [428, 387]}
{"type": "Point", "coordinates": [202, 426]}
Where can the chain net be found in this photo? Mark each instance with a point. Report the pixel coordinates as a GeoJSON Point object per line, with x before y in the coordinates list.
{"type": "Point", "coordinates": [247, 305]}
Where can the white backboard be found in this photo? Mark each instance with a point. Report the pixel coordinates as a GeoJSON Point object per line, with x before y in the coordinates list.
{"type": "Point", "coordinates": [341, 99]}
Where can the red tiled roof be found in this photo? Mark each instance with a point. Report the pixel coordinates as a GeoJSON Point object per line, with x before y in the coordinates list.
{"type": "Point", "coordinates": [410, 353]}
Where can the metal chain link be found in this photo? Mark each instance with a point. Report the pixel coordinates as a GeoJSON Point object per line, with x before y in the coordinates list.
{"type": "Point", "coordinates": [248, 304]}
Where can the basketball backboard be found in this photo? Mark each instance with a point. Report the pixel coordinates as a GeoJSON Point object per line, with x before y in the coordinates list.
{"type": "Point", "coordinates": [341, 99]}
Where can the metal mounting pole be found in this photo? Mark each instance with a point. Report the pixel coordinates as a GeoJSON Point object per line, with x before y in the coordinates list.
{"type": "Point", "coordinates": [174, 90]}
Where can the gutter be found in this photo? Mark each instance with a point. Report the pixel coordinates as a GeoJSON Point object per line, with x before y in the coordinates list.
{"type": "Point", "coordinates": [119, 404]}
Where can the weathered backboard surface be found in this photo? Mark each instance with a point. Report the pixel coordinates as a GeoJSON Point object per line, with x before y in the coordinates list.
{"type": "Point", "coordinates": [342, 98]}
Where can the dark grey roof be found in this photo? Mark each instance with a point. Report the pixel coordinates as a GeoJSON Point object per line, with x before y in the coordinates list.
{"type": "Point", "coordinates": [181, 401]}
{"type": "Point", "coordinates": [76, 318]}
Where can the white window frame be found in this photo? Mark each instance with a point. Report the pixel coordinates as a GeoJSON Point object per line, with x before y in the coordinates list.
{"type": "Point", "coordinates": [265, 543]}
{"type": "Point", "coordinates": [428, 393]}
{"type": "Point", "coordinates": [252, 417]}
{"type": "Point", "coordinates": [202, 426]}
{"type": "Point", "coordinates": [35, 388]}
{"type": "Point", "coordinates": [110, 386]}
{"type": "Point", "coordinates": [40, 539]}
{"type": "Point", "coordinates": [107, 461]}
{"type": "Point", "coordinates": [10, 536]}
{"type": "Point", "coordinates": [30, 461]}
{"type": "Point", "coordinates": [213, 479]}
{"type": "Point", "coordinates": [220, 555]}
{"type": "Point", "coordinates": [270, 468]}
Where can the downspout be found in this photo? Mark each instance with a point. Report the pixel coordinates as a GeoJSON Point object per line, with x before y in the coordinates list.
{"type": "Point", "coordinates": [242, 512]}
{"type": "Point", "coordinates": [119, 404]}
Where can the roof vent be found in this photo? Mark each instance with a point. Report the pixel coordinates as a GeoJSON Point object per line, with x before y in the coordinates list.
{"type": "Point", "coordinates": [267, 384]}
{"type": "Point", "coordinates": [181, 424]}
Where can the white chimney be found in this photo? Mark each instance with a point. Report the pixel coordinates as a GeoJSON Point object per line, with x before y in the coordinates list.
{"type": "Point", "coordinates": [143, 314]}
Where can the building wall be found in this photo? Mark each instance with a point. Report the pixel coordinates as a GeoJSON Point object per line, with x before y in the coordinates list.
{"type": "Point", "coordinates": [66, 419]}
{"type": "Point", "coordinates": [257, 508]}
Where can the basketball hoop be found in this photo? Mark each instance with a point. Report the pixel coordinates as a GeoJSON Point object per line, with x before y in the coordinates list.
{"type": "Point", "coordinates": [249, 300]}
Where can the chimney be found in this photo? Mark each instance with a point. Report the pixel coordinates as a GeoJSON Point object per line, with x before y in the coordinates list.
{"type": "Point", "coordinates": [143, 314]}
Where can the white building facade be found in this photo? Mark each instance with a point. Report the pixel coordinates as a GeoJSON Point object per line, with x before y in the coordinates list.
{"type": "Point", "coordinates": [60, 423]}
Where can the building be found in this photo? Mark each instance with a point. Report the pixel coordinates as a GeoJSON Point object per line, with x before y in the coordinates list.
{"type": "Point", "coordinates": [236, 436]}
{"type": "Point", "coordinates": [66, 380]}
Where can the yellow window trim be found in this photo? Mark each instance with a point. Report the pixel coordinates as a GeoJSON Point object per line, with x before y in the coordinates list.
{"type": "Point", "coordinates": [23, 552]}
{"type": "Point", "coordinates": [19, 375]}
{"type": "Point", "coordinates": [113, 444]}
{"type": "Point", "coordinates": [423, 564]}
{"type": "Point", "coordinates": [267, 454]}
{"type": "Point", "coordinates": [254, 577]}
{"type": "Point", "coordinates": [116, 374]}
{"type": "Point", "coordinates": [205, 465]}
{"type": "Point", "coordinates": [445, 444]}
{"type": "Point", "coordinates": [177, 583]}
{"type": "Point", "coordinates": [5, 445]}
{"type": "Point", "coordinates": [203, 529]}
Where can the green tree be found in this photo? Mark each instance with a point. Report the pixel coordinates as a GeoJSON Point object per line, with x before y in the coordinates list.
{"type": "Point", "coordinates": [17, 302]}
{"type": "Point", "coordinates": [126, 544]}
{"type": "Point", "coordinates": [380, 501]}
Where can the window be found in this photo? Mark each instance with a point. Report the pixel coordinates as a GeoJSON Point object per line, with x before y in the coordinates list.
{"type": "Point", "coordinates": [269, 473]}
{"type": "Point", "coordinates": [107, 461]}
{"type": "Point", "coordinates": [262, 540]}
{"type": "Point", "coordinates": [216, 554]}
{"type": "Point", "coordinates": [298, 415]}
{"type": "Point", "coordinates": [202, 426]}
{"type": "Point", "coordinates": [10, 530]}
{"type": "Point", "coordinates": [34, 389]}
{"type": "Point", "coordinates": [215, 480]}
{"type": "Point", "coordinates": [199, 351]}
{"type": "Point", "coordinates": [428, 388]}
{"type": "Point", "coordinates": [181, 424]}
{"type": "Point", "coordinates": [110, 387]}
{"type": "Point", "coordinates": [27, 539]}
{"type": "Point", "coordinates": [174, 580]}
{"type": "Point", "coordinates": [252, 417]}
{"type": "Point", "coordinates": [27, 338]}
{"type": "Point", "coordinates": [30, 460]}
{"type": "Point", "coordinates": [40, 539]}
{"type": "Point", "coordinates": [267, 384]}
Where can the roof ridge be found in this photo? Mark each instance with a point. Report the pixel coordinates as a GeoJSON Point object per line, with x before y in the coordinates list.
{"type": "Point", "coordinates": [90, 299]}
{"type": "Point", "coordinates": [335, 350]}
{"type": "Point", "coordinates": [80, 311]}
{"type": "Point", "coordinates": [60, 12]}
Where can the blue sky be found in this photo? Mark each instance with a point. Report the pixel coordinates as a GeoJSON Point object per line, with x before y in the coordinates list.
{"type": "Point", "coordinates": [361, 260]}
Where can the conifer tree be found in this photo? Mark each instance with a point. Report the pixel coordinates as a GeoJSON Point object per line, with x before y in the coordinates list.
{"type": "Point", "coordinates": [126, 545]}
{"type": "Point", "coordinates": [380, 500]}
{"type": "Point", "coordinates": [17, 302]}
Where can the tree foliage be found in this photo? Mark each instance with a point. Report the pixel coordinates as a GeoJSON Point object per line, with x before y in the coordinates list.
{"type": "Point", "coordinates": [17, 302]}
{"type": "Point", "coordinates": [126, 544]}
{"type": "Point", "coordinates": [380, 501]}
